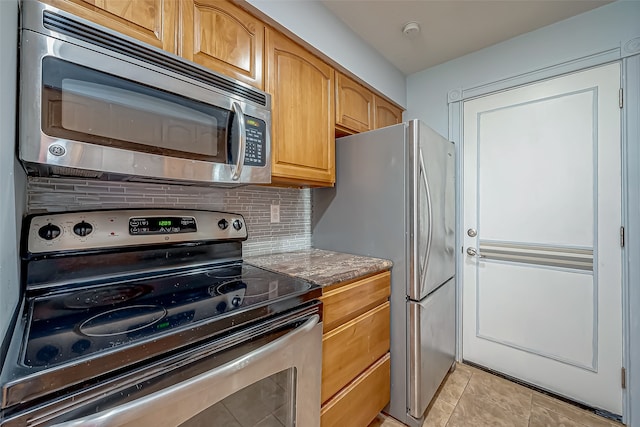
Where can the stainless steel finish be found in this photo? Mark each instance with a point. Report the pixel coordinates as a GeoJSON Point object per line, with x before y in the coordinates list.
{"type": "Point", "coordinates": [111, 229]}
{"type": "Point", "coordinates": [433, 345]}
{"type": "Point", "coordinates": [472, 232]}
{"type": "Point", "coordinates": [434, 165]}
{"type": "Point", "coordinates": [242, 140]}
{"type": "Point", "coordinates": [115, 163]}
{"type": "Point", "coordinates": [550, 256]}
{"type": "Point", "coordinates": [381, 208]}
{"type": "Point", "coordinates": [301, 349]}
{"type": "Point", "coordinates": [231, 361]}
{"type": "Point", "coordinates": [472, 251]}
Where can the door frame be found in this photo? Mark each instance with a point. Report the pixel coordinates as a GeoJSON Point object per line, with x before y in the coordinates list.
{"type": "Point", "coordinates": [630, 164]}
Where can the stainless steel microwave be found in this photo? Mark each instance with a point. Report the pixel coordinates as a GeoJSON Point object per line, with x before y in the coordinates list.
{"type": "Point", "coordinates": [98, 104]}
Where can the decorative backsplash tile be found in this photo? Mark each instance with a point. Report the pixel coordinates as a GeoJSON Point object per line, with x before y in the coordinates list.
{"type": "Point", "coordinates": [253, 202]}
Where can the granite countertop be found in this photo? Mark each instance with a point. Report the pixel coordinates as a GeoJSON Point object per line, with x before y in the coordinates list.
{"type": "Point", "coordinates": [319, 266]}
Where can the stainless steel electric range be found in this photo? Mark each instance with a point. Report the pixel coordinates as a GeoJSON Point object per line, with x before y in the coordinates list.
{"type": "Point", "coordinates": [150, 317]}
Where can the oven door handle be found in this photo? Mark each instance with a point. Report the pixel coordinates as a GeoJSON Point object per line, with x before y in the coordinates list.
{"type": "Point", "coordinates": [178, 403]}
{"type": "Point", "coordinates": [242, 140]}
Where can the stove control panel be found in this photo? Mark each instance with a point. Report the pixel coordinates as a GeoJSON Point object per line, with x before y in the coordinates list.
{"type": "Point", "coordinates": [56, 232]}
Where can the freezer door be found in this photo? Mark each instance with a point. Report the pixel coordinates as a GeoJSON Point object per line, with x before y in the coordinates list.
{"type": "Point", "coordinates": [433, 210]}
{"type": "Point", "coordinates": [432, 338]}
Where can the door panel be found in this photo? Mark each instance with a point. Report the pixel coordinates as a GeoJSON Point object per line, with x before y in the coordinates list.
{"type": "Point", "coordinates": [522, 161]}
{"type": "Point", "coordinates": [538, 324]}
{"type": "Point", "coordinates": [542, 188]}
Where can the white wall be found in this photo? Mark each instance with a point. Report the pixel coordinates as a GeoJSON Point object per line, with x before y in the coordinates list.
{"type": "Point", "coordinates": [316, 25]}
{"type": "Point", "coordinates": [11, 176]}
{"type": "Point", "coordinates": [582, 35]}
{"type": "Point", "coordinates": [599, 30]}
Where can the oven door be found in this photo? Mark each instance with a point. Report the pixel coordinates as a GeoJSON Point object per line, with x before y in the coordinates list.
{"type": "Point", "coordinates": [268, 374]}
{"type": "Point", "coordinates": [97, 111]}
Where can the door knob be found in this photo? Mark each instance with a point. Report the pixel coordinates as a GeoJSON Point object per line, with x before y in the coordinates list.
{"type": "Point", "coordinates": [472, 232]}
{"type": "Point", "coordinates": [474, 252]}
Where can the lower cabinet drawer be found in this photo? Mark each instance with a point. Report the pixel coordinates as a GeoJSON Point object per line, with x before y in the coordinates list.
{"type": "Point", "coordinates": [359, 403]}
{"type": "Point", "coordinates": [351, 348]}
{"type": "Point", "coordinates": [343, 302]}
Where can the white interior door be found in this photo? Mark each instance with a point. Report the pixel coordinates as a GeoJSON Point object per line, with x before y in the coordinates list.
{"type": "Point", "coordinates": [542, 211]}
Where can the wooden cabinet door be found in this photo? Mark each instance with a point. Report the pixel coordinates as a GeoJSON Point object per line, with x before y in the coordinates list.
{"type": "Point", "coordinates": [221, 36]}
{"type": "Point", "coordinates": [354, 106]}
{"type": "Point", "coordinates": [302, 138]}
{"type": "Point", "coordinates": [151, 21]}
{"type": "Point", "coordinates": [368, 394]}
{"type": "Point", "coordinates": [349, 349]}
{"type": "Point", "coordinates": [387, 114]}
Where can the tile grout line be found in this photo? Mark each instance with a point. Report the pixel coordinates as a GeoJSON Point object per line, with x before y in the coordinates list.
{"type": "Point", "coordinates": [459, 398]}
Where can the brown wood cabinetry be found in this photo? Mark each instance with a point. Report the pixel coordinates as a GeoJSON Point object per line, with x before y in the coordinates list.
{"type": "Point", "coordinates": [302, 134]}
{"type": "Point", "coordinates": [386, 113]}
{"type": "Point", "coordinates": [356, 405]}
{"type": "Point", "coordinates": [355, 351]}
{"type": "Point", "coordinates": [150, 21]}
{"type": "Point", "coordinates": [221, 36]}
{"type": "Point", "coordinates": [354, 106]}
{"type": "Point", "coordinates": [358, 109]}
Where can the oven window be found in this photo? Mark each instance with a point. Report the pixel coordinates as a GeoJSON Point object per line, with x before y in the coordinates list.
{"type": "Point", "coordinates": [83, 104]}
{"type": "Point", "coordinates": [268, 402]}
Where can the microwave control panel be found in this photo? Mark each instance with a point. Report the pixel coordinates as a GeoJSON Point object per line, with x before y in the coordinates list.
{"type": "Point", "coordinates": [256, 150]}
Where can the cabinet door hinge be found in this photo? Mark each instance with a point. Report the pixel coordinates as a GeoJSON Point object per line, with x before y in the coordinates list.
{"type": "Point", "coordinates": [623, 378]}
{"type": "Point", "coordinates": [622, 237]}
{"type": "Point", "coordinates": [620, 98]}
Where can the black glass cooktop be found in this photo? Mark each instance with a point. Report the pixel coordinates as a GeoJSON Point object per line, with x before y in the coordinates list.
{"type": "Point", "coordinates": [73, 324]}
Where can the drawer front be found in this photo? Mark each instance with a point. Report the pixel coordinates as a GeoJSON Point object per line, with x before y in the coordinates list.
{"type": "Point", "coordinates": [359, 403]}
{"type": "Point", "coordinates": [343, 303]}
{"type": "Point", "coordinates": [351, 348]}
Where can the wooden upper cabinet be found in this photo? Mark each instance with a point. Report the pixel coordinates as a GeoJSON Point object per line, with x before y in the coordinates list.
{"type": "Point", "coordinates": [354, 106]}
{"type": "Point", "coordinates": [386, 114]}
{"type": "Point", "coordinates": [223, 37]}
{"type": "Point", "coordinates": [302, 134]}
{"type": "Point", "coordinates": [151, 21]}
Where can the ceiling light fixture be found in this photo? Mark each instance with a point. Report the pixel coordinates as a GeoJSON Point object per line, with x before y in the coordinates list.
{"type": "Point", "coordinates": [411, 30]}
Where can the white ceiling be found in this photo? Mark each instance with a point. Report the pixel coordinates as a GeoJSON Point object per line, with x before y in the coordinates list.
{"type": "Point", "coordinates": [449, 28]}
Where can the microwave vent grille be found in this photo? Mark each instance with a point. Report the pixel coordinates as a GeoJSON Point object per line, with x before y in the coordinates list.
{"type": "Point", "coordinates": [79, 173]}
{"type": "Point", "coordinates": [95, 36]}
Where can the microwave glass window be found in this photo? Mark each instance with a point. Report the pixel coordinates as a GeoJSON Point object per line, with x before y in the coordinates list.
{"type": "Point", "coordinates": [80, 103]}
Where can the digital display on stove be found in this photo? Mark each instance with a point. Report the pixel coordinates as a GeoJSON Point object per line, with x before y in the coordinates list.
{"type": "Point", "coordinates": [162, 225]}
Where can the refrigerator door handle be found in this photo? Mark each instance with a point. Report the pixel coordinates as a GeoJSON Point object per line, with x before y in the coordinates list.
{"type": "Point", "coordinates": [425, 259]}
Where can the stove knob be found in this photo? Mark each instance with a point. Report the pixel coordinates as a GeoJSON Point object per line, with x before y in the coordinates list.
{"type": "Point", "coordinates": [82, 229]}
{"type": "Point", "coordinates": [236, 301]}
{"type": "Point", "coordinates": [223, 224]}
{"type": "Point", "coordinates": [47, 353]}
{"type": "Point", "coordinates": [49, 231]}
{"type": "Point", "coordinates": [237, 224]}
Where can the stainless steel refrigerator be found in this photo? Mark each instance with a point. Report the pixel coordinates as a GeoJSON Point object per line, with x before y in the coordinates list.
{"type": "Point", "coordinates": [395, 198]}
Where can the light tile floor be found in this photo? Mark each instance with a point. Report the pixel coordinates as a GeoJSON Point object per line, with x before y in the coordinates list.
{"type": "Point", "coordinates": [470, 397]}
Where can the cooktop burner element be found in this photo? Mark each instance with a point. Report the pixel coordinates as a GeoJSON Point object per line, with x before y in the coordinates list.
{"type": "Point", "coordinates": [116, 314]}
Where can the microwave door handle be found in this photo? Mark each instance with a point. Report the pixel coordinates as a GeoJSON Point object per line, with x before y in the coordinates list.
{"type": "Point", "coordinates": [242, 145]}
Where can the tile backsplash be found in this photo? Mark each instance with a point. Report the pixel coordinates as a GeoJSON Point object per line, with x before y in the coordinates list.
{"type": "Point", "coordinates": [253, 202]}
